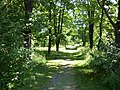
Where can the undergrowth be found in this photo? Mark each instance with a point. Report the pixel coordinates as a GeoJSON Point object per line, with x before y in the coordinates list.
{"type": "Point", "coordinates": [36, 73]}
{"type": "Point", "coordinates": [101, 70]}
{"type": "Point", "coordinates": [87, 78]}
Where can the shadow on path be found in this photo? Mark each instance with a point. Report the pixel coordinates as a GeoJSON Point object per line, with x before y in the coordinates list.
{"type": "Point", "coordinates": [64, 79]}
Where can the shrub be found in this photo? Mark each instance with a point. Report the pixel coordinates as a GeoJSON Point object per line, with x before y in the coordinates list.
{"type": "Point", "coordinates": [108, 62]}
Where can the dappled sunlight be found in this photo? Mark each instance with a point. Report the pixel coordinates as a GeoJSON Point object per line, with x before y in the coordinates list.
{"type": "Point", "coordinates": [70, 51]}
{"type": "Point", "coordinates": [67, 62]}
{"type": "Point", "coordinates": [67, 87]}
{"type": "Point", "coordinates": [36, 74]}
{"type": "Point", "coordinates": [63, 79]}
{"type": "Point", "coordinates": [88, 79]}
{"type": "Point", "coordinates": [62, 62]}
{"type": "Point", "coordinates": [64, 57]}
{"type": "Point", "coordinates": [79, 54]}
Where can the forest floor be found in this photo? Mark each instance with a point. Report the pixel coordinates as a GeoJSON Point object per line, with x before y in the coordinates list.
{"type": "Point", "coordinates": [63, 70]}
{"type": "Point", "coordinates": [72, 74]}
{"type": "Point", "coordinates": [64, 79]}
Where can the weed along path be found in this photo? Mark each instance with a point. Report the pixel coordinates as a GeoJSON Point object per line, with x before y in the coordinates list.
{"type": "Point", "coordinates": [64, 78]}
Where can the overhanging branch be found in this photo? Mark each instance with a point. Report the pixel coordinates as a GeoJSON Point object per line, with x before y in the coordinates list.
{"type": "Point", "coordinates": [109, 18]}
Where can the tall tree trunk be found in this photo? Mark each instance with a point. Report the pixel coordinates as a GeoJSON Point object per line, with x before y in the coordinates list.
{"type": "Point", "coordinates": [58, 33]}
{"type": "Point", "coordinates": [60, 23]}
{"type": "Point", "coordinates": [27, 32]}
{"type": "Point", "coordinates": [55, 24]}
{"type": "Point", "coordinates": [117, 27]}
{"type": "Point", "coordinates": [59, 37]}
{"type": "Point", "coordinates": [100, 33]}
{"type": "Point", "coordinates": [50, 40]}
{"type": "Point", "coordinates": [91, 27]}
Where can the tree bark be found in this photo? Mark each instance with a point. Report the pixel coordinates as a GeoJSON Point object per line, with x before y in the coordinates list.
{"type": "Point", "coordinates": [50, 40]}
{"type": "Point", "coordinates": [59, 37]}
{"type": "Point", "coordinates": [117, 27]}
{"type": "Point", "coordinates": [55, 25]}
{"type": "Point", "coordinates": [91, 27]}
{"type": "Point", "coordinates": [27, 31]}
{"type": "Point", "coordinates": [100, 33]}
{"type": "Point", "coordinates": [60, 23]}
{"type": "Point", "coordinates": [58, 33]}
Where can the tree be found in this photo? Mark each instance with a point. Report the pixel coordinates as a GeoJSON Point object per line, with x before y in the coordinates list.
{"type": "Point", "coordinates": [27, 31]}
{"type": "Point", "coordinates": [115, 25]}
{"type": "Point", "coordinates": [100, 32]}
{"type": "Point", "coordinates": [11, 53]}
{"type": "Point", "coordinates": [91, 13]}
{"type": "Point", "coordinates": [55, 24]}
{"type": "Point", "coordinates": [60, 23]}
{"type": "Point", "coordinates": [50, 33]}
{"type": "Point", "coordinates": [91, 27]}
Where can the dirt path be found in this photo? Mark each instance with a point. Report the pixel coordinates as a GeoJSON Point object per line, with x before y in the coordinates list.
{"type": "Point", "coordinates": [64, 79]}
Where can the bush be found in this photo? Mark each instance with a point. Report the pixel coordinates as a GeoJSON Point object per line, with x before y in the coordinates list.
{"type": "Point", "coordinates": [11, 52]}
{"type": "Point", "coordinates": [108, 62]}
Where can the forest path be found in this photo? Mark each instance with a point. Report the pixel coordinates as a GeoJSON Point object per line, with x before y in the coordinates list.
{"type": "Point", "coordinates": [64, 79]}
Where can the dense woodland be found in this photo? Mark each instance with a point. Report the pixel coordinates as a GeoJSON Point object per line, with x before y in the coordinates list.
{"type": "Point", "coordinates": [29, 24]}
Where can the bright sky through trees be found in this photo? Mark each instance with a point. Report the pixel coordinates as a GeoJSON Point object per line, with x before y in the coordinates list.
{"type": "Point", "coordinates": [113, 1]}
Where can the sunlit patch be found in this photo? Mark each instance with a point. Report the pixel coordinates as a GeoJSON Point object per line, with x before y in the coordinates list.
{"type": "Point", "coordinates": [36, 82]}
{"type": "Point", "coordinates": [33, 77]}
{"type": "Point", "coordinates": [61, 72]}
{"type": "Point", "coordinates": [68, 87]}
{"type": "Point", "coordinates": [65, 62]}
{"type": "Point", "coordinates": [51, 88]}
{"type": "Point", "coordinates": [10, 85]}
{"type": "Point", "coordinates": [86, 71]}
{"type": "Point", "coordinates": [49, 76]}
{"type": "Point", "coordinates": [40, 74]}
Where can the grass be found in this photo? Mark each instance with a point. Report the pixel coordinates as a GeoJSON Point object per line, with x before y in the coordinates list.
{"type": "Point", "coordinates": [37, 72]}
{"type": "Point", "coordinates": [87, 79]}
{"type": "Point", "coordinates": [63, 54]}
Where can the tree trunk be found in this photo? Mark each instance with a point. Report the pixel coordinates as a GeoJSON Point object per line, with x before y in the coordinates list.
{"type": "Point", "coordinates": [50, 40]}
{"type": "Point", "coordinates": [27, 32]}
{"type": "Point", "coordinates": [55, 25]}
{"type": "Point", "coordinates": [100, 33]}
{"type": "Point", "coordinates": [59, 37]}
{"type": "Point", "coordinates": [117, 27]}
{"type": "Point", "coordinates": [58, 33]}
{"type": "Point", "coordinates": [91, 27]}
{"type": "Point", "coordinates": [60, 23]}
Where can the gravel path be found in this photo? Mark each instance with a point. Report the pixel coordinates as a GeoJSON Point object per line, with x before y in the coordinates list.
{"type": "Point", "coordinates": [63, 80]}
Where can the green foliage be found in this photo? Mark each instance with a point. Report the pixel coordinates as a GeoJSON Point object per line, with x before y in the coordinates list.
{"type": "Point", "coordinates": [35, 72]}
{"type": "Point", "coordinates": [108, 63]}
{"type": "Point", "coordinates": [11, 41]}
{"type": "Point", "coordinates": [13, 61]}
{"type": "Point", "coordinates": [99, 61]}
{"type": "Point", "coordinates": [86, 79]}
